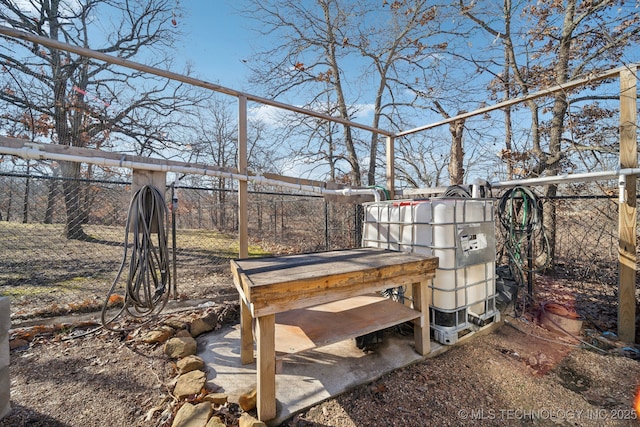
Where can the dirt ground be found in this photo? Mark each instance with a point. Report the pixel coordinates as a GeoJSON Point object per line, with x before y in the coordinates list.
{"type": "Point", "coordinates": [519, 374]}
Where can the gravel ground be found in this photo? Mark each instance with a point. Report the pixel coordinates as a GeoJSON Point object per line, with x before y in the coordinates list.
{"type": "Point", "coordinates": [520, 374]}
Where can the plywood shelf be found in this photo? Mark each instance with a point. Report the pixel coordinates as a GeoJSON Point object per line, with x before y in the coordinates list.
{"type": "Point", "coordinates": [320, 325]}
{"type": "Point", "coordinates": [304, 301]}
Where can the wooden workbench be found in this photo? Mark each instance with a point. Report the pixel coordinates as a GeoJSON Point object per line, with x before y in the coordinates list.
{"type": "Point", "coordinates": [310, 300]}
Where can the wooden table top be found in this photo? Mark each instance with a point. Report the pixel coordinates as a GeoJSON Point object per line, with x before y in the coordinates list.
{"type": "Point", "coordinates": [275, 284]}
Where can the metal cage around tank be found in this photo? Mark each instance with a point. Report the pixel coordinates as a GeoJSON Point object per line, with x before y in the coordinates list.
{"type": "Point", "coordinates": [461, 233]}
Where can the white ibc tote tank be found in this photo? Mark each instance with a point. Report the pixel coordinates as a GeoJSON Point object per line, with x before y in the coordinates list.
{"type": "Point", "coordinates": [461, 233]}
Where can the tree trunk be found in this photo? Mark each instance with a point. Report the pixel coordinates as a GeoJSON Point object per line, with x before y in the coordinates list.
{"type": "Point", "coordinates": [51, 199]}
{"type": "Point", "coordinates": [9, 203]}
{"type": "Point", "coordinates": [456, 163]}
{"type": "Point", "coordinates": [87, 196]}
{"type": "Point", "coordinates": [352, 155]}
{"type": "Point", "coordinates": [71, 188]}
{"type": "Point", "coordinates": [25, 201]}
{"type": "Point", "coordinates": [553, 168]}
{"type": "Point", "coordinates": [508, 130]}
{"type": "Point", "coordinates": [221, 203]}
{"type": "Point", "coordinates": [559, 111]}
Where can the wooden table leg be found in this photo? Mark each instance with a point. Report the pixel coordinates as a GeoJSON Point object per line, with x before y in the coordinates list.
{"type": "Point", "coordinates": [246, 334]}
{"type": "Point", "coordinates": [266, 367]}
{"type": "Point", "coordinates": [421, 331]}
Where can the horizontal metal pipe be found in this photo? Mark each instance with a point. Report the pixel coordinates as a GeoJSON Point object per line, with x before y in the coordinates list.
{"type": "Point", "coordinates": [618, 174]}
{"type": "Point", "coordinates": [565, 178]}
{"type": "Point", "coordinates": [509, 102]}
{"type": "Point", "coordinates": [45, 41]}
{"type": "Point", "coordinates": [32, 151]}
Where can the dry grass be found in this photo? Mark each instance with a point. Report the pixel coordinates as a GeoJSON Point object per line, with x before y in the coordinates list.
{"type": "Point", "coordinates": [45, 274]}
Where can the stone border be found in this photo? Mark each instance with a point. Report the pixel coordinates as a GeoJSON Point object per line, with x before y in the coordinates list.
{"type": "Point", "coordinates": [198, 404]}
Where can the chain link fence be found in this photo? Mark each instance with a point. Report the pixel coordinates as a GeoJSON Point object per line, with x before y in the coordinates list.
{"type": "Point", "coordinates": [54, 261]}
{"type": "Point", "coordinates": [584, 272]}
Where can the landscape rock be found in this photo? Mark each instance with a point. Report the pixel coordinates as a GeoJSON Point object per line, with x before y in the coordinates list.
{"type": "Point", "coordinates": [183, 333]}
{"type": "Point", "coordinates": [176, 324]}
{"type": "Point", "coordinates": [179, 346]}
{"type": "Point", "coordinates": [215, 422]}
{"type": "Point", "coordinates": [190, 383]}
{"type": "Point", "coordinates": [193, 415]}
{"type": "Point", "coordinates": [247, 401]}
{"type": "Point", "coordinates": [189, 363]}
{"type": "Point", "coordinates": [247, 420]}
{"type": "Point", "coordinates": [200, 326]}
{"type": "Point", "coordinates": [158, 336]}
{"type": "Point", "coordinates": [211, 318]}
{"type": "Point", "coordinates": [217, 398]}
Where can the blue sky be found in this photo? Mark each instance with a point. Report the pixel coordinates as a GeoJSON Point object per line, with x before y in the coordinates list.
{"type": "Point", "coordinates": [216, 41]}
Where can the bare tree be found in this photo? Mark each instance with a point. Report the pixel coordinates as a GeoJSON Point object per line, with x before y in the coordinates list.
{"type": "Point", "coordinates": [554, 42]}
{"type": "Point", "coordinates": [314, 144]}
{"type": "Point", "coordinates": [216, 143]}
{"type": "Point", "coordinates": [456, 161]}
{"type": "Point", "coordinates": [345, 52]}
{"type": "Point", "coordinates": [89, 103]}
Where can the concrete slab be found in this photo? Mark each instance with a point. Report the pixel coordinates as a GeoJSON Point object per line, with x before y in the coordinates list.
{"type": "Point", "coordinates": [306, 378]}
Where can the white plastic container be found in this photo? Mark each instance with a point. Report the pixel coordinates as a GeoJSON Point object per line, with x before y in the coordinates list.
{"type": "Point", "coordinates": [461, 233]}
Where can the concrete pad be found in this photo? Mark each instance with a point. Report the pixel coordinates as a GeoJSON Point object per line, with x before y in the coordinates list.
{"type": "Point", "coordinates": [307, 378]}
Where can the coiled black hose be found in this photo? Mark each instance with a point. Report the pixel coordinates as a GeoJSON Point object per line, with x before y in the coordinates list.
{"type": "Point", "coordinates": [521, 216]}
{"type": "Point", "coordinates": [149, 276]}
{"type": "Point", "coordinates": [456, 191]}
